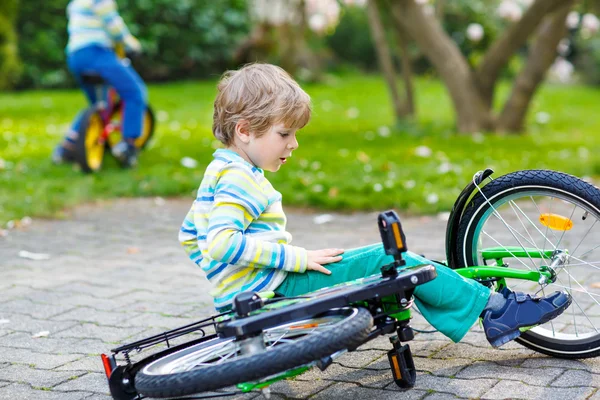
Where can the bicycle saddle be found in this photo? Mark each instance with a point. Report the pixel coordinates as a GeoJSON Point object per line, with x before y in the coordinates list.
{"type": "Point", "coordinates": [92, 78]}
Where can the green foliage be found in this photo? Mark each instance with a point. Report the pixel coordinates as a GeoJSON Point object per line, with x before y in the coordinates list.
{"type": "Point", "coordinates": [350, 156]}
{"type": "Point", "coordinates": [10, 66]}
{"type": "Point", "coordinates": [351, 40]}
{"type": "Point", "coordinates": [587, 60]}
{"type": "Point", "coordinates": [181, 39]}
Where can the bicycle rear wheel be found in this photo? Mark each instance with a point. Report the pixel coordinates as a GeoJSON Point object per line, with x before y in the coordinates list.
{"type": "Point", "coordinates": [89, 146]}
{"type": "Point", "coordinates": [547, 212]}
{"type": "Point", "coordinates": [222, 362]}
{"type": "Point", "coordinates": [147, 127]}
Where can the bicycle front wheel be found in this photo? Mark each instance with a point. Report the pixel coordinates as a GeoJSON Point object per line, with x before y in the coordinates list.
{"type": "Point", "coordinates": [90, 144]}
{"type": "Point", "coordinates": [542, 218]}
{"type": "Point", "coordinates": [222, 362]}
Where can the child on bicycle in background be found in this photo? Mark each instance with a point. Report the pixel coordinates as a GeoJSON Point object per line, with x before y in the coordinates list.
{"type": "Point", "coordinates": [235, 229]}
{"type": "Point", "coordinates": [95, 28]}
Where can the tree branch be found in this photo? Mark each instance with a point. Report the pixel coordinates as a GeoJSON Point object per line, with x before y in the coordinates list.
{"type": "Point", "coordinates": [541, 55]}
{"type": "Point", "coordinates": [513, 38]}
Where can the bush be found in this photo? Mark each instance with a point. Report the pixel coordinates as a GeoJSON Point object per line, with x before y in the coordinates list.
{"type": "Point", "coordinates": [181, 39]}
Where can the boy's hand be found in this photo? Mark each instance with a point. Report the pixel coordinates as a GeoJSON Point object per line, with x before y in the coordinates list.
{"type": "Point", "coordinates": [326, 256]}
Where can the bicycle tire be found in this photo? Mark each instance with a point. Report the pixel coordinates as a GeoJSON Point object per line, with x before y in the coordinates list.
{"type": "Point", "coordinates": [148, 125]}
{"type": "Point", "coordinates": [516, 196]}
{"type": "Point", "coordinates": [89, 150]}
{"type": "Point", "coordinates": [161, 379]}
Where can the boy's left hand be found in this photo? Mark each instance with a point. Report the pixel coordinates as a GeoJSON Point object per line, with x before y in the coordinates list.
{"type": "Point", "coordinates": [316, 259]}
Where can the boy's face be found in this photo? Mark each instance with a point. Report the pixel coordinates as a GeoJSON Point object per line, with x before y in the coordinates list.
{"type": "Point", "coordinates": [271, 150]}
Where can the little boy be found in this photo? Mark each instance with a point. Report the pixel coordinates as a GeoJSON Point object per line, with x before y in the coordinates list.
{"type": "Point", "coordinates": [235, 229]}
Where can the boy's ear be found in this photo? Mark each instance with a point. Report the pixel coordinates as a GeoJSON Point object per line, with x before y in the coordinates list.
{"type": "Point", "coordinates": [242, 130]}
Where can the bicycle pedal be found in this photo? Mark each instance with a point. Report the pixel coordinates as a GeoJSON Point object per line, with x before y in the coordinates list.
{"type": "Point", "coordinates": [403, 366]}
{"type": "Point", "coordinates": [392, 235]}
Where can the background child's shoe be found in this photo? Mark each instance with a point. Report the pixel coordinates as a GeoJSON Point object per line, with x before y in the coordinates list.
{"type": "Point", "coordinates": [521, 311]}
{"type": "Point", "coordinates": [126, 154]}
{"type": "Point", "coordinates": [61, 155]}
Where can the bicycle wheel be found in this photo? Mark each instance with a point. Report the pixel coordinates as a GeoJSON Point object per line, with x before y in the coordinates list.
{"type": "Point", "coordinates": [548, 212]}
{"type": "Point", "coordinates": [116, 135]}
{"type": "Point", "coordinates": [89, 146]}
{"type": "Point", "coordinates": [222, 362]}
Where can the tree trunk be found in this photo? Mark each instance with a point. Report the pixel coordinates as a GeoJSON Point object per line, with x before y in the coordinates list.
{"type": "Point", "coordinates": [407, 74]}
{"type": "Point", "coordinates": [471, 111]}
{"type": "Point", "coordinates": [541, 55]}
{"type": "Point", "coordinates": [384, 56]}
{"type": "Point", "coordinates": [511, 40]}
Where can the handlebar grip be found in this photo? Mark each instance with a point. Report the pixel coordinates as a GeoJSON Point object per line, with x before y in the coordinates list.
{"type": "Point", "coordinates": [392, 235]}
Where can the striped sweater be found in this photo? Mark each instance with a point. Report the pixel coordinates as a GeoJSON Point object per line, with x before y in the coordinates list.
{"type": "Point", "coordinates": [95, 22]}
{"type": "Point", "coordinates": [235, 230]}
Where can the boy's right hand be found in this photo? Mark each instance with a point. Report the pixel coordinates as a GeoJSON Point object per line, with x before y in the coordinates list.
{"type": "Point", "coordinates": [316, 259]}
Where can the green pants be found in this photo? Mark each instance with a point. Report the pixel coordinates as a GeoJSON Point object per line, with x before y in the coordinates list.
{"type": "Point", "coordinates": [450, 303]}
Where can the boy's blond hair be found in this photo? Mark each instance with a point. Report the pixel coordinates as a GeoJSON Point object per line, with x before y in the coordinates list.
{"type": "Point", "coordinates": [263, 95]}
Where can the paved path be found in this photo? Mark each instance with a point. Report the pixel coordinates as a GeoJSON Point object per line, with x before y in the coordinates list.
{"type": "Point", "coordinates": [117, 273]}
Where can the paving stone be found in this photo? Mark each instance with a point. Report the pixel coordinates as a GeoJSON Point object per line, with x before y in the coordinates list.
{"type": "Point", "coordinates": [34, 310]}
{"type": "Point", "coordinates": [364, 377]}
{"type": "Point", "coordinates": [542, 376]}
{"type": "Point", "coordinates": [86, 363]}
{"type": "Point", "coordinates": [519, 390]}
{"type": "Point", "coordinates": [541, 361]}
{"type": "Point", "coordinates": [25, 392]}
{"type": "Point", "coordinates": [90, 382]}
{"type": "Point", "coordinates": [470, 388]}
{"type": "Point", "coordinates": [38, 378]}
{"type": "Point", "coordinates": [572, 378]}
{"type": "Point", "coordinates": [35, 359]}
{"type": "Point", "coordinates": [509, 357]}
{"type": "Point", "coordinates": [25, 323]}
{"type": "Point", "coordinates": [345, 391]}
{"type": "Point", "coordinates": [299, 389]}
{"type": "Point", "coordinates": [104, 333]}
{"type": "Point", "coordinates": [361, 358]}
{"type": "Point", "coordinates": [441, 396]}
{"type": "Point", "coordinates": [87, 314]}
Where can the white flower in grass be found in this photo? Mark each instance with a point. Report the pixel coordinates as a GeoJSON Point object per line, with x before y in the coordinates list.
{"type": "Point", "coordinates": [589, 25]}
{"type": "Point", "coordinates": [317, 188]}
{"type": "Point", "coordinates": [563, 46]}
{"type": "Point", "coordinates": [509, 11]}
{"type": "Point", "coordinates": [409, 184]}
{"type": "Point", "coordinates": [444, 168]}
{"type": "Point", "coordinates": [315, 166]}
{"type": "Point", "coordinates": [384, 131]}
{"type": "Point", "coordinates": [423, 151]}
{"type": "Point", "coordinates": [389, 183]}
{"type": "Point", "coordinates": [368, 168]}
{"type": "Point", "coordinates": [478, 137]}
{"type": "Point", "coordinates": [572, 20]}
{"type": "Point", "coordinates": [175, 126]}
{"type": "Point", "coordinates": [562, 70]}
{"type": "Point", "coordinates": [432, 198]}
{"type": "Point", "coordinates": [369, 135]}
{"type": "Point", "coordinates": [542, 117]}
{"type": "Point", "coordinates": [475, 32]}
{"type": "Point", "coordinates": [378, 187]}
{"type": "Point", "coordinates": [162, 116]}
{"type": "Point", "coordinates": [185, 134]}
{"type": "Point", "coordinates": [188, 162]}
{"type": "Point", "coordinates": [303, 162]}
{"type": "Point", "coordinates": [352, 113]}
{"type": "Point", "coordinates": [583, 153]}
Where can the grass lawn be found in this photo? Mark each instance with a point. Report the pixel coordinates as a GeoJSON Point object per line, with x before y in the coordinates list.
{"type": "Point", "coordinates": [350, 156]}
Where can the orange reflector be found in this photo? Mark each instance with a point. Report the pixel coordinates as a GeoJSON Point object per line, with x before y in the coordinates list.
{"type": "Point", "coordinates": [556, 222]}
{"type": "Point", "coordinates": [397, 235]}
{"type": "Point", "coordinates": [305, 326]}
{"type": "Point", "coordinates": [107, 366]}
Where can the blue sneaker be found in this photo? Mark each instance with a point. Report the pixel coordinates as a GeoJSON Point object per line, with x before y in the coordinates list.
{"type": "Point", "coordinates": [126, 154]}
{"type": "Point", "coordinates": [61, 155]}
{"type": "Point", "coordinates": [521, 312]}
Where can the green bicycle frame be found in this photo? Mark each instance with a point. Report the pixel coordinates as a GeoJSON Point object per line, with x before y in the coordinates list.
{"type": "Point", "coordinates": [501, 271]}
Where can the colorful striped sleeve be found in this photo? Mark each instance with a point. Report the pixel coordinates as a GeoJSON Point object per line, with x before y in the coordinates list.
{"type": "Point", "coordinates": [239, 200]}
{"type": "Point", "coordinates": [113, 23]}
